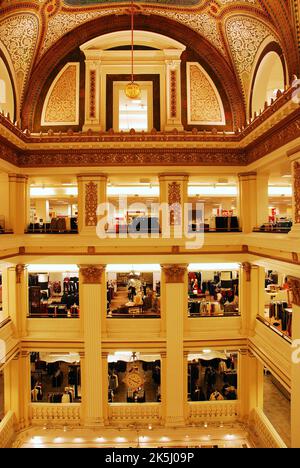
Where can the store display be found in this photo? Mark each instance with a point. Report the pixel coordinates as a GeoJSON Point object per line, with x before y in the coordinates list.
{"type": "Point", "coordinates": [53, 297]}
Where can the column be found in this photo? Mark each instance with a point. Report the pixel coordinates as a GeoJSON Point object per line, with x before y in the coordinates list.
{"type": "Point", "coordinates": [17, 388]}
{"type": "Point", "coordinates": [252, 287]}
{"type": "Point", "coordinates": [92, 284]}
{"type": "Point", "coordinates": [105, 386]}
{"type": "Point", "coordinates": [4, 197]}
{"type": "Point", "coordinates": [92, 192]}
{"type": "Point", "coordinates": [295, 394]}
{"type": "Point", "coordinates": [173, 197]}
{"type": "Point", "coordinates": [253, 200]}
{"type": "Point", "coordinates": [18, 203]}
{"type": "Point", "coordinates": [163, 385]}
{"type": "Point", "coordinates": [175, 279]}
{"type": "Point", "coordinates": [295, 232]}
{"type": "Point", "coordinates": [92, 118]}
{"type": "Point", "coordinates": [250, 384]}
{"type": "Point", "coordinates": [17, 293]}
{"type": "Point", "coordinates": [173, 91]}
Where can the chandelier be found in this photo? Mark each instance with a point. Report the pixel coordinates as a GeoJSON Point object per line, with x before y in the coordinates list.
{"type": "Point", "coordinates": [132, 90]}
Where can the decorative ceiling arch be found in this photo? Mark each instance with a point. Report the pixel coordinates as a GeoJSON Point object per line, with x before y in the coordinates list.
{"type": "Point", "coordinates": [70, 43]}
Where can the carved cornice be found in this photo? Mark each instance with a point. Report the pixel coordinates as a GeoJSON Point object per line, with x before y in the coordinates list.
{"type": "Point", "coordinates": [174, 273]}
{"type": "Point", "coordinates": [294, 284]}
{"type": "Point", "coordinates": [92, 274]}
{"type": "Point", "coordinates": [135, 157]}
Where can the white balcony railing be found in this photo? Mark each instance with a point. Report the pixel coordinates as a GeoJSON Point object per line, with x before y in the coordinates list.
{"type": "Point", "coordinates": [264, 431]}
{"type": "Point", "coordinates": [137, 413]}
{"type": "Point", "coordinates": [60, 413]}
{"type": "Point", "coordinates": [213, 411]}
{"type": "Point", "coordinates": [7, 430]}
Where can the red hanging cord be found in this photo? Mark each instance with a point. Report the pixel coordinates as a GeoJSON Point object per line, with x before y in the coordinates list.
{"type": "Point", "coordinates": [132, 45]}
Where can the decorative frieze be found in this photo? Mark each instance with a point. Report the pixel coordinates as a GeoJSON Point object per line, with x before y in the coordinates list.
{"type": "Point", "coordinates": [174, 273]}
{"type": "Point", "coordinates": [91, 204]}
{"type": "Point", "coordinates": [294, 284]}
{"type": "Point", "coordinates": [92, 274]}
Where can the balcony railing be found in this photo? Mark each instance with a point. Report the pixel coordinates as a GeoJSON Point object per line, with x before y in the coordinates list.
{"type": "Point", "coordinates": [135, 413]}
{"type": "Point", "coordinates": [275, 228]}
{"type": "Point", "coordinates": [272, 327]}
{"type": "Point", "coordinates": [216, 411]}
{"type": "Point", "coordinates": [264, 431]}
{"type": "Point", "coordinates": [7, 430]}
{"type": "Point", "coordinates": [60, 413]}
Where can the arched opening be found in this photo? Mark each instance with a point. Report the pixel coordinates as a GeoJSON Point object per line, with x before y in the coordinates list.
{"type": "Point", "coordinates": [7, 101]}
{"type": "Point", "coordinates": [269, 78]}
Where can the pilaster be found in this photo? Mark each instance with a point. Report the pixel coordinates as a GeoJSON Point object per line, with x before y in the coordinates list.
{"type": "Point", "coordinates": [91, 196]}
{"type": "Point", "coordinates": [250, 383]}
{"type": "Point", "coordinates": [251, 296]}
{"type": "Point", "coordinates": [173, 93]}
{"type": "Point", "coordinates": [175, 279]}
{"type": "Point", "coordinates": [18, 203]}
{"type": "Point", "coordinates": [92, 90]}
{"type": "Point", "coordinates": [92, 282]}
{"type": "Point", "coordinates": [253, 200]}
{"type": "Point", "coordinates": [173, 200]}
{"type": "Point", "coordinates": [295, 232]}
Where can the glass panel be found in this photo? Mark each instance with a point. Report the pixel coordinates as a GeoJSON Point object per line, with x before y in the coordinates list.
{"type": "Point", "coordinates": [55, 378]}
{"type": "Point", "coordinates": [212, 376]}
{"type": "Point", "coordinates": [54, 294]}
{"type": "Point", "coordinates": [133, 294]}
{"type": "Point", "coordinates": [133, 113]}
{"type": "Point", "coordinates": [213, 293]}
{"type": "Point", "coordinates": [134, 379]}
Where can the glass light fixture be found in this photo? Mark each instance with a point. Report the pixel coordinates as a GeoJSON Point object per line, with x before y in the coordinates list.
{"type": "Point", "coordinates": [132, 90]}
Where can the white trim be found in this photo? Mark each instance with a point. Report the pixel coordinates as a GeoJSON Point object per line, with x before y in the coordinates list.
{"type": "Point", "coordinates": [55, 124]}
{"type": "Point", "coordinates": [204, 122]}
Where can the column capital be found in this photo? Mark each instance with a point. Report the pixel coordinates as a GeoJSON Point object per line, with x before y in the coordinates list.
{"type": "Point", "coordinates": [92, 274]}
{"type": "Point", "coordinates": [294, 284]}
{"type": "Point", "coordinates": [173, 177]}
{"type": "Point", "coordinates": [174, 273]}
{"type": "Point", "coordinates": [18, 177]}
{"type": "Point", "coordinates": [247, 267]}
{"type": "Point", "coordinates": [247, 175]}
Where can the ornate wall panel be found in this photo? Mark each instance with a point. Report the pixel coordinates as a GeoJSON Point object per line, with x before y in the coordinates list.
{"type": "Point", "coordinates": [62, 102]}
{"type": "Point", "coordinates": [245, 36]}
{"type": "Point", "coordinates": [91, 204]}
{"type": "Point", "coordinates": [204, 103]}
{"type": "Point", "coordinates": [297, 191]}
{"type": "Point", "coordinates": [62, 23]}
{"type": "Point", "coordinates": [19, 35]}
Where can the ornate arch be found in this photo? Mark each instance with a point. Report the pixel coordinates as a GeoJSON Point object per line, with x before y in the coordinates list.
{"type": "Point", "coordinates": [69, 43]}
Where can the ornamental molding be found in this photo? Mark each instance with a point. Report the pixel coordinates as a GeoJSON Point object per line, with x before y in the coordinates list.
{"type": "Point", "coordinates": [174, 273]}
{"type": "Point", "coordinates": [174, 201]}
{"type": "Point", "coordinates": [92, 274]}
{"type": "Point", "coordinates": [294, 284]}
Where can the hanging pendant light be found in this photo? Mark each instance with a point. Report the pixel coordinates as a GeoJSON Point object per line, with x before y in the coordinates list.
{"type": "Point", "coordinates": [132, 90]}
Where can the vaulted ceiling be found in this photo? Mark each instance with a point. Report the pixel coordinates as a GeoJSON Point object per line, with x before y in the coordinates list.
{"type": "Point", "coordinates": [36, 35]}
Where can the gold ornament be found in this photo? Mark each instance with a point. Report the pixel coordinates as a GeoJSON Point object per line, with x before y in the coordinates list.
{"type": "Point", "coordinates": [133, 90]}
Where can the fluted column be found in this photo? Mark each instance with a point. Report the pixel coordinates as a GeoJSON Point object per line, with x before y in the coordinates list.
{"type": "Point", "coordinates": [295, 394]}
{"type": "Point", "coordinates": [18, 203]}
{"type": "Point", "coordinates": [175, 279]}
{"type": "Point", "coordinates": [253, 200]}
{"type": "Point", "coordinates": [17, 388]}
{"type": "Point", "coordinates": [173, 92]}
{"type": "Point", "coordinates": [250, 383]}
{"type": "Point", "coordinates": [92, 282]}
{"type": "Point", "coordinates": [91, 194]}
{"type": "Point", "coordinates": [295, 232]}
